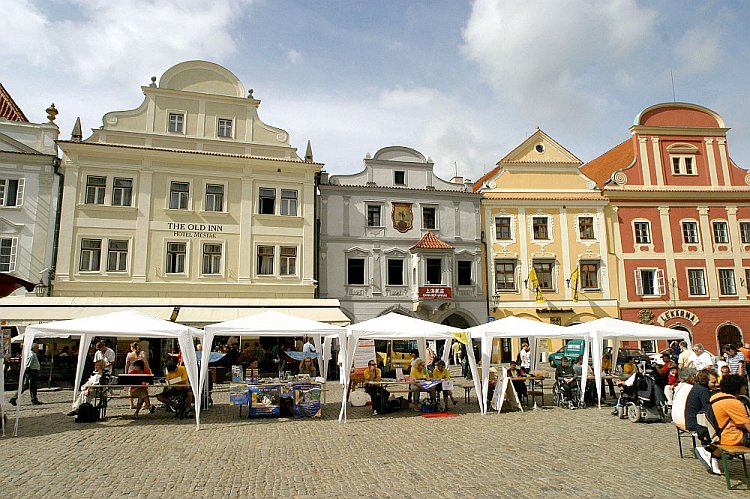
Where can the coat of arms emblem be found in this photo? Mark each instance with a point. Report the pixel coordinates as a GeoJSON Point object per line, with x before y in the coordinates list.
{"type": "Point", "coordinates": [402, 217]}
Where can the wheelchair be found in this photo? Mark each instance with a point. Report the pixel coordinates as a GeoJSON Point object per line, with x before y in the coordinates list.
{"type": "Point", "coordinates": [561, 398]}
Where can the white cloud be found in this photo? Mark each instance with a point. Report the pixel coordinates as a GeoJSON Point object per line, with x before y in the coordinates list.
{"type": "Point", "coordinates": [698, 50]}
{"type": "Point", "coordinates": [294, 56]}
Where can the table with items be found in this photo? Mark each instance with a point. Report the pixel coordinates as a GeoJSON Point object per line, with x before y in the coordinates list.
{"type": "Point", "coordinates": [298, 397]}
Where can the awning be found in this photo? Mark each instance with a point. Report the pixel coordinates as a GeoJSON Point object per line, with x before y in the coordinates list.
{"type": "Point", "coordinates": [25, 310]}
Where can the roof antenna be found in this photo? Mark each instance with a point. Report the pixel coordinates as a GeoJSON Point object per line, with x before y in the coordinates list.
{"type": "Point", "coordinates": [674, 98]}
{"type": "Point", "coordinates": [455, 167]}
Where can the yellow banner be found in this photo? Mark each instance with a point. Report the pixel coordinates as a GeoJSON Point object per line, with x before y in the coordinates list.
{"type": "Point", "coordinates": [574, 284]}
{"type": "Point", "coordinates": [462, 337]}
{"type": "Point", "coordinates": [535, 282]}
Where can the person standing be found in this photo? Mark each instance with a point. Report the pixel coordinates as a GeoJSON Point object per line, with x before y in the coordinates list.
{"type": "Point", "coordinates": [607, 372]}
{"type": "Point", "coordinates": [456, 350]}
{"type": "Point", "coordinates": [30, 377]}
{"type": "Point", "coordinates": [682, 359]}
{"type": "Point", "coordinates": [700, 359]}
{"type": "Point", "coordinates": [735, 360]}
{"type": "Point", "coordinates": [103, 352]}
{"type": "Point", "coordinates": [525, 357]}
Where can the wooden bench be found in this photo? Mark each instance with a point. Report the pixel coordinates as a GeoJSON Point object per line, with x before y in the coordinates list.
{"type": "Point", "coordinates": [683, 432]}
{"type": "Point", "coordinates": [739, 452]}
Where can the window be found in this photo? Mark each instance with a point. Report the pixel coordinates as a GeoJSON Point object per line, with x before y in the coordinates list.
{"type": "Point", "coordinates": [211, 258]}
{"type": "Point", "coordinates": [502, 229]}
{"type": "Point", "coordinates": [8, 247]}
{"type": "Point", "coordinates": [539, 227]}
{"type": "Point", "coordinates": [176, 256]}
{"type": "Point", "coordinates": [399, 178]}
{"type": "Point", "coordinates": [179, 193]}
{"type": "Point", "coordinates": [429, 218]}
{"type": "Point", "coordinates": [683, 165]}
{"type": "Point", "coordinates": [464, 272]}
{"type": "Point", "coordinates": [122, 191]}
{"type": "Point", "coordinates": [224, 128]}
{"type": "Point", "coordinates": [745, 232]}
{"type": "Point", "coordinates": [690, 232]}
{"type": "Point", "coordinates": [544, 274]}
{"type": "Point", "coordinates": [395, 272]}
{"type": "Point", "coordinates": [726, 282]}
{"type": "Point", "coordinates": [289, 202]}
{"type": "Point", "coordinates": [265, 260]}
{"type": "Point", "coordinates": [589, 275]}
{"type": "Point", "coordinates": [117, 256]}
{"type": "Point", "coordinates": [176, 123]}
{"type": "Point", "coordinates": [747, 279]}
{"type": "Point", "coordinates": [505, 275]}
{"type": "Point", "coordinates": [373, 215]}
{"type": "Point", "coordinates": [434, 267]}
{"type": "Point", "coordinates": [696, 282]}
{"type": "Point", "coordinates": [355, 271]}
{"type": "Point", "coordinates": [586, 227]}
{"type": "Point", "coordinates": [721, 233]}
{"type": "Point", "coordinates": [95, 187]}
{"type": "Point", "coordinates": [11, 191]}
{"type": "Point", "coordinates": [266, 201]}
{"type": "Point", "coordinates": [288, 260]}
{"type": "Point", "coordinates": [642, 232]}
{"type": "Point", "coordinates": [214, 197]}
{"type": "Point", "coordinates": [91, 253]}
{"type": "Point", "coordinates": [649, 282]}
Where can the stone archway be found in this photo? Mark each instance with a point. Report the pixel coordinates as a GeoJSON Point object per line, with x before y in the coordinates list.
{"type": "Point", "coordinates": [728, 334]}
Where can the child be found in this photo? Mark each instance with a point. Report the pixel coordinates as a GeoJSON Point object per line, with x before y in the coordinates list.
{"type": "Point", "coordinates": [724, 371]}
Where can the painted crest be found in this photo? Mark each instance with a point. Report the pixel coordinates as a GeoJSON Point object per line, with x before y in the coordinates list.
{"type": "Point", "coordinates": [402, 216]}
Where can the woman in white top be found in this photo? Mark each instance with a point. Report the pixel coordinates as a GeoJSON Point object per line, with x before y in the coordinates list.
{"type": "Point", "coordinates": [134, 354]}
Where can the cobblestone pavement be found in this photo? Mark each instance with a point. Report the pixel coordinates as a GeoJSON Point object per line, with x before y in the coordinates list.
{"type": "Point", "coordinates": [549, 452]}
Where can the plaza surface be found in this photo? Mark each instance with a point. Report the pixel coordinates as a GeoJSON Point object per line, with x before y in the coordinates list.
{"type": "Point", "coordinates": [551, 452]}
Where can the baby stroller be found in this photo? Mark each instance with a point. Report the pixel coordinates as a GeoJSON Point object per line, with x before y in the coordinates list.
{"type": "Point", "coordinates": [643, 401]}
{"type": "Point", "coordinates": [568, 394]}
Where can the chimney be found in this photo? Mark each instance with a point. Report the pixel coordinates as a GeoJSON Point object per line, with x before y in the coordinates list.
{"type": "Point", "coordinates": [457, 180]}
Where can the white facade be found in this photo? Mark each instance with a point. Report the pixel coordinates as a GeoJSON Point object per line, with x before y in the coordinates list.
{"type": "Point", "coordinates": [28, 199]}
{"type": "Point", "coordinates": [368, 258]}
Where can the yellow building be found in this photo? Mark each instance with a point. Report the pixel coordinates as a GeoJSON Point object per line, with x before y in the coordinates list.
{"type": "Point", "coordinates": [546, 248]}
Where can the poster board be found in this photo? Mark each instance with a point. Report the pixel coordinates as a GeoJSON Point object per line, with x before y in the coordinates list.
{"type": "Point", "coordinates": [505, 395]}
{"type": "Point", "coordinates": [265, 400]}
{"type": "Point", "coordinates": [307, 400]}
{"type": "Point", "coordinates": [6, 341]}
{"type": "Point", "coordinates": [238, 394]}
{"type": "Point", "coordinates": [364, 353]}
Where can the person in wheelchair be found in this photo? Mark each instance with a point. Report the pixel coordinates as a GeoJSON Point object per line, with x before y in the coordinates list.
{"type": "Point", "coordinates": [178, 395]}
{"type": "Point", "coordinates": [567, 382]}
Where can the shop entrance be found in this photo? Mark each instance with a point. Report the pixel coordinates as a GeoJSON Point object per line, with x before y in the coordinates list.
{"type": "Point", "coordinates": [728, 334]}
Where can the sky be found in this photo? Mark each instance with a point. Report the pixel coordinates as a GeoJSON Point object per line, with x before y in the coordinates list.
{"type": "Point", "coordinates": [462, 82]}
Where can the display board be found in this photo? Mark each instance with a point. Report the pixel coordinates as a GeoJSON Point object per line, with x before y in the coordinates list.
{"type": "Point", "coordinates": [238, 394]}
{"type": "Point", "coordinates": [265, 400]}
{"type": "Point", "coordinates": [306, 400]}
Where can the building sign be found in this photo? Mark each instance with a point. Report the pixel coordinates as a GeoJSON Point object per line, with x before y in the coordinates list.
{"type": "Point", "coordinates": [677, 313]}
{"type": "Point", "coordinates": [206, 231]}
{"type": "Point", "coordinates": [432, 292]}
{"type": "Point", "coordinates": [402, 217]}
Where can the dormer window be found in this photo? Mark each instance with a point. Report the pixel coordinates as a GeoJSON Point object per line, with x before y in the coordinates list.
{"type": "Point", "coordinates": [176, 123]}
{"type": "Point", "coordinates": [399, 178]}
{"type": "Point", "coordinates": [682, 157]}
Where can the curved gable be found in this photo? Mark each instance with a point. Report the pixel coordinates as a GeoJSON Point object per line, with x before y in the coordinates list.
{"type": "Point", "coordinates": [399, 153]}
{"type": "Point", "coordinates": [676, 114]}
{"type": "Point", "coordinates": [203, 77]}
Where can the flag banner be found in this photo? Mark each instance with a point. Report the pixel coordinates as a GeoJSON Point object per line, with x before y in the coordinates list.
{"type": "Point", "coordinates": [574, 284]}
{"type": "Point", "coordinates": [535, 283]}
{"type": "Point", "coordinates": [462, 337]}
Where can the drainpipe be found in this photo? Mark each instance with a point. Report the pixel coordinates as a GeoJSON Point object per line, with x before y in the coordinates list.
{"type": "Point", "coordinates": [316, 237]}
{"type": "Point", "coordinates": [56, 233]}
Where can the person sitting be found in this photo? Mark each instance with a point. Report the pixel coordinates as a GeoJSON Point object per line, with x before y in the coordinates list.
{"type": "Point", "coordinates": [663, 370]}
{"type": "Point", "coordinates": [565, 375]}
{"type": "Point", "coordinates": [177, 386]}
{"type": "Point", "coordinates": [673, 379]}
{"type": "Point", "coordinates": [420, 372]}
{"type": "Point", "coordinates": [518, 384]}
{"type": "Point", "coordinates": [731, 414]}
{"type": "Point", "coordinates": [679, 399]}
{"type": "Point", "coordinates": [253, 371]}
{"type": "Point", "coordinates": [140, 393]}
{"type": "Point", "coordinates": [630, 367]}
{"type": "Point", "coordinates": [86, 394]}
{"type": "Point", "coordinates": [699, 401]}
{"type": "Point", "coordinates": [440, 372]}
{"type": "Point", "coordinates": [307, 367]}
{"type": "Point", "coordinates": [377, 393]}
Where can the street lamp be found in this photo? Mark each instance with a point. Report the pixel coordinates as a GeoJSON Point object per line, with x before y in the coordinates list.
{"type": "Point", "coordinates": [41, 289]}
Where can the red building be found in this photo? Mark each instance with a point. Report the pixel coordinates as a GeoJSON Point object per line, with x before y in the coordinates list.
{"type": "Point", "coordinates": [680, 211]}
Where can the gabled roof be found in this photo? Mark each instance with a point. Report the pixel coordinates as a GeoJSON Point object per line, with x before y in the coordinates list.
{"type": "Point", "coordinates": [431, 241]}
{"type": "Point", "coordinates": [600, 170]}
{"type": "Point", "coordinates": [8, 107]}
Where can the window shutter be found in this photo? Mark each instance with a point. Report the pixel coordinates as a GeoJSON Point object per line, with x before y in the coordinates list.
{"type": "Point", "coordinates": [19, 194]}
{"type": "Point", "coordinates": [13, 251]}
{"type": "Point", "coordinates": [660, 285]}
{"type": "Point", "coordinates": [638, 283]}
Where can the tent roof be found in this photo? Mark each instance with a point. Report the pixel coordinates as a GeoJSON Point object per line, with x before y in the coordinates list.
{"type": "Point", "coordinates": [272, 323]}
{"type": "Point", "coordinates": [517, 327]}
{"type": "Point", "coordinates": [607, 327]}
{"type": "Point", "coordinates": [126, 323]}
{"type": "Point", "coordinates": [393, 325]}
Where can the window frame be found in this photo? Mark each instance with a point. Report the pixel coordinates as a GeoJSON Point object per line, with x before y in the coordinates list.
{"type": "Point", "coordinates": [219, 122]}
{"type": "Point", "coordinates": [210, 258]}
{"type": "Point", "coordinates": [658, 282]}
{"type": "Point", "coordinates": [263, 201]}
{"type": "Point", "coordinates": [349, 260]}
{"type": "Point", "coordinates": [92, 252]}
{"type": "Point", "coordinates": [683, 162]}
{"type": "Point", "coordinates": [597, 276]}
{"type": "Point", "coordinates": [259, 260]}
{"type": "Point", "coordinates": [182, 123]}
{"type": "Point", "coordinates": [4, 186]}
{"type": "Point", "coordinates": [744, 226]}
{"type": "Point", "coordinates": [511, 230]}
{"type": "Point", "coordinates": [547, 228]}
{"type": "Point", "coordinates": [459, 274]}
{"type": "Point", "coordinates": [720, 272]}
{"type": "Point", "coordinates": [99, 191]}
{"type": "Point", "coordinates": [440, 261]}
{"type": "Point", "coordinates": [402, 262]}
{"type": "Point", "coordinates": [122, 256]}
{"type": "Point", "coordinates": [396, 175]}
{"type": "Point", "coordinates": [187, 193]}
{"type": "Point", "coordinates": [185, 260]}
{"type": "Point", "coordinates": [725, 224]}
{"type": "Point", "coordinates": [118, 189]}
{"type": "Point", "coordinates": [690, 281]}
{"type": "Point", "coordinates": [284, 261]}
{"type": "Point", "coordinates": [435, 210]}
{"type": "Point", "coordinates": [513, 273]}
{"type": "Point", "coordinates": [695, 233]}
{"type": "Point", "coordinates": [285, 202]}
{"type": "Point", "coordinates": [379, 206]}
{"type": "Point", "coordinates": [207, 207]}
{"type": "Point", "coordinates": [11, 256]}
{"type": "Point", "coordinates": [539, 272]}
{"type": "Point", "coordinates": [581, 235]}
{"type": "Point", "coordinates": [636, 232]}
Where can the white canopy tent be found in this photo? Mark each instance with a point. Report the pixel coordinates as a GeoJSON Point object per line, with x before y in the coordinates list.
{"type": "Point", "coordinates": [397, 326]}
{"type": "Point", "coordinates": [516, 327]}
{"type": "Point", "coordinates": [271, 323]}
{"type": "Point", "coordinates": [117, 324]}
{"type": "Point", "coordinates": [618, 330]}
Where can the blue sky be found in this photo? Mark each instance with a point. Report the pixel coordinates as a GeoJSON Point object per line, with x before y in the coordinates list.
{"type": "Point", "coordinates": [462, 82]}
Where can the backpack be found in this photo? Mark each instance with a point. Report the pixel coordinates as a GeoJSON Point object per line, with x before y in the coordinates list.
{"type": "Point", "coordinates": [87, 413]}
{"type": "Point", "coordinates": [712, 422]}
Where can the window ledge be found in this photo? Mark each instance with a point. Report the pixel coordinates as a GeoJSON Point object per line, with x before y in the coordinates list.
{"type": "Point", "coordinates": [211, 213]}
{"type": "Point", "coordinates": [109, 207]}
{"type": "Point", "coordinates": [178, 210]}
{"type": "Point", "coordinates": [16, 207]}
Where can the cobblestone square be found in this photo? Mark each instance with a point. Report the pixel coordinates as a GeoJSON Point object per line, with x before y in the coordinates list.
{"type": "Point", "coordinates": [548, 452]}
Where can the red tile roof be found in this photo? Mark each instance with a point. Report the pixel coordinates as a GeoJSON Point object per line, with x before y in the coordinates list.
{"type": "Point", "coordinates": [431, 241]}
{"type": "Point", "coordinates": [8, 107]}
{"type": "Point", "coordinates": [600, 170]}
{"type": "Point", "coordinates": [484, 178]}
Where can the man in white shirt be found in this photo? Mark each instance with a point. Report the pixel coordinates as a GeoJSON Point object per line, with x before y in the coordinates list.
{"type": "Point", "coordinates": [700, 359]}
{"type": "Point", "coordinates": [526, 357]}
{"type": "Point", "coordinates": [87, 395]}
{"type": "Point", "coordinates": [309, 347]}
{"type": "Point", "coordinates": [103, 352]}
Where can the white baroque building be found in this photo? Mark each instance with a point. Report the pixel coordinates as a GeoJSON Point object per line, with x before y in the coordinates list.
{"type": "Point", "coordinates": [395, 237]}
